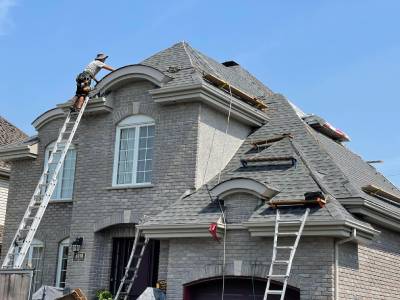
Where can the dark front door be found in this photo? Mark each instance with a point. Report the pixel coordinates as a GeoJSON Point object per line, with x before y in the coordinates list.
{"type": "Point", "coordinates": [236, 288]}
{"type": "Point", "coordinates": [148, 269]}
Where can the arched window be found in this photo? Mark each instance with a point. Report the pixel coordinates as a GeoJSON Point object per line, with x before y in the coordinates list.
{"type": "Point", "coordinates": [133, 158]}
{"type": "Point", "coordinates": [65, 183]}
{"type": "Point", "coordinates": [63, 249]}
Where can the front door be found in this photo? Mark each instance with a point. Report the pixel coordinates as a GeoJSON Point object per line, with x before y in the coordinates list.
{"type": "Point", "coordinates": [147, 275]}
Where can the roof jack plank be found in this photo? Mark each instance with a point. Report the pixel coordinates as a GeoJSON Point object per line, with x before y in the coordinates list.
{"type": "Point", "coordinates": [376, 191]}
{"type": "Point", "coordinates": [258, 143]}
{"type": "Point", "coordinates": [252, 100]}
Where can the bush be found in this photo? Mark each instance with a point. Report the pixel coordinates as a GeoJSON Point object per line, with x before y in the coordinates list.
{"type": "Point", "coordinates": [104, 295]}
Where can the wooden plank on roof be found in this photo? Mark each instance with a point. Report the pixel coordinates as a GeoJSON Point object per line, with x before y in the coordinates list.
{"type": "Point", "coordinates": [274, 204]}
{"type": "Point", "coordinates": [252, 100]}
{"type": "Point", "coordinates": [256, 143]}
{"type": "Point", "coordinates": [376, 191]}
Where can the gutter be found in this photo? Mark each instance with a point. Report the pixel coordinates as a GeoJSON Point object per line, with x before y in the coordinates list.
{"type": "Point", "coordinates": [353, 237]}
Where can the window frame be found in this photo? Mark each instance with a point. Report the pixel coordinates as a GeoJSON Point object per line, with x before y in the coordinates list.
{"type": "Point", "coordinates": [135, 121]}
{"type": "Point", "coordinates": [58, 191]}
{"type": "Point", "coordinates": [64, 243]}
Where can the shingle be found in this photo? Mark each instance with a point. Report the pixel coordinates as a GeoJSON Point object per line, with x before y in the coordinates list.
{"type": "Point", "coordinates": [333, 164]}
{"type": "Point", "coordinates": [9, 134]}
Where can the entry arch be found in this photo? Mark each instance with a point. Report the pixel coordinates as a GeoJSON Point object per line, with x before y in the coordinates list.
{"type": "Point", "coordinates": [236, 288]}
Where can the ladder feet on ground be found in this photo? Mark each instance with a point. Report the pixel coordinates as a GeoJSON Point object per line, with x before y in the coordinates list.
{"type": "Point", "coordinates": [44, 190]}
{"type": "Point", "coordinates": [281, 261]}
{"type": "Point", "coordinates": [133, 266]}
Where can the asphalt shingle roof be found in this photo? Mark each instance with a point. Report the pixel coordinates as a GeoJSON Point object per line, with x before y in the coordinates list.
{"type": "Point", "coordinates": [9, 134]}
{"type": "Point", "coordinates": [340, 170]}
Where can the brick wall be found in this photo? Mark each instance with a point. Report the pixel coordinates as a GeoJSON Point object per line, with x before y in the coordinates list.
{"type": "Point", "coordinates": [56, 221]}
{"type": "Point", "coordinates": [95, 199]}
{"type": "Point", "coordinates": [370, 271]}
{"type": "Point", "coordinates": [199, 258]}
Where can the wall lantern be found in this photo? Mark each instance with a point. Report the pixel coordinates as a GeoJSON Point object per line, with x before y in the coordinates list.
{"type": "Point", "coordinates": [77, 244]}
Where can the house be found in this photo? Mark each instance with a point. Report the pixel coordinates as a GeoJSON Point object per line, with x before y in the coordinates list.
{"type": "Point", "coordinates": [155, 142]}
{"type": "Point", "coordinates": [9, 134]}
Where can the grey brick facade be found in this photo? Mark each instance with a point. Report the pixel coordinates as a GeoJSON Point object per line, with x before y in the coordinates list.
{"type": "Point", "coordinates": [190, 122]}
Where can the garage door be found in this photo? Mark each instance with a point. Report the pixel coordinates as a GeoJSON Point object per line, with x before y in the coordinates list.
{"type": "Point", "coordinates": [236, 288]}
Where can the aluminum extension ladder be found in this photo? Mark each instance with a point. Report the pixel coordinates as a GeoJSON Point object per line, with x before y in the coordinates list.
{"type": "Point", "coordinates": [132, 267]}
{"type": "Point", "coordinates": [282, 262]}
{"type": "Point", "coordinates": [43, 192]}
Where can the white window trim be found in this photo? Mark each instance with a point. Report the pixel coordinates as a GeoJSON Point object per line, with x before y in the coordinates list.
{"type": "Point", "coordinates": [49, 148]}
{"type": "Point", "coordinates": [136, 121]}
{"type": "Point", "coordinates": [62, 245]}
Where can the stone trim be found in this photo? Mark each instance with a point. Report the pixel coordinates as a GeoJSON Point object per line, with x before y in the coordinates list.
{"type": "Point", "coordinates": [131, 73]}
{"type": "Point", "coordinates": [19, 151]}
{"type": "Point", "coordinates": [241, 268]}
{"type": "Point", "coordinates": [48, 116]}
{"type": "Point", "coordinates": [212, 96]}
{"type": "Point", "coordinates": [245, 185]}
{"type": "Point", "coordinates": [5, 173]}
{"type": "Point", "coordinates": [123, 217]}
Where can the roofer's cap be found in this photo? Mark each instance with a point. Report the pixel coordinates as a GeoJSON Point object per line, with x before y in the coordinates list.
{"type": "Point", "coordinates": [101, 56]}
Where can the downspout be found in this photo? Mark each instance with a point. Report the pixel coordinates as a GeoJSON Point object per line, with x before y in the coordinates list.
{"type": "Point", "coordinates": [352, 237]}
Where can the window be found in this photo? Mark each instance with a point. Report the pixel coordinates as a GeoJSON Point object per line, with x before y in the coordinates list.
{"type": "Point", "coordinates": [65, 182]}
{"type": "Point", "coordinates": [34, 260]}
{"type": "Point", "coordinates": [62, 263]}
{"type": "Point", "coordinates": [134, 151]}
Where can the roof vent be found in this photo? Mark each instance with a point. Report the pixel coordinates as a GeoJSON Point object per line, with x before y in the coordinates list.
{"type": "Point", "coordinates": [230, 63]}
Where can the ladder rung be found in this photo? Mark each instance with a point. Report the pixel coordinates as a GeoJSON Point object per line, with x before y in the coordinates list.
{"type": "Point", "coordinates": [277, 276]}
{"type": "Point", "coordinates": [285, 247]}
{"type": "Point", "coordinates": [274, 292]}
{"type": "Point", "coordinates": [281, 262]}
{"type": "Point", "coordinates": [292, 233]}
{"type": "Point", "coordinates": [131, 269]}
{"type": "Point", "coordinates": [290, 221]}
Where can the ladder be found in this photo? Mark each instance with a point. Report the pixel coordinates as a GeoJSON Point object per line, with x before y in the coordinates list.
{"type": "Point", "coordinates": [282, 262]}
{"type": "Point", "coordinates": [132, 267]}
{"type": "Point", "coordinates": [43, 192]}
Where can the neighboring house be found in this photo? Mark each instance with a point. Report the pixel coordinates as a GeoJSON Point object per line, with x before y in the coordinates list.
{"type": "Point", "coordinates": [9, 134]}
{"type": "Point", "coordinates": [147, 146]}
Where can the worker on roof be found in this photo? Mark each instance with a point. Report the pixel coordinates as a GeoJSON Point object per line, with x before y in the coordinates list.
{"type": "Point", "coordinates": [84, 79]}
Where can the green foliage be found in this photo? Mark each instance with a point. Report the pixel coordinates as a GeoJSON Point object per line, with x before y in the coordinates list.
{"type": "Point", "coordinates": [104, 295]}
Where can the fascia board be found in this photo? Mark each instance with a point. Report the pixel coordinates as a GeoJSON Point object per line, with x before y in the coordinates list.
{"type": "Point", "coordinates": [338, 229]}
{"type": "Point", "coordinates": [176, 231]}
{"type": "Point", "coordinates": [374, 212]}
{"type": "Point", "coordinates": [212, 96]}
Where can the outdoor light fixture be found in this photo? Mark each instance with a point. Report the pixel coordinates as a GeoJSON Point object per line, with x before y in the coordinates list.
{"type": "Point", "coordinates": [77, 244]}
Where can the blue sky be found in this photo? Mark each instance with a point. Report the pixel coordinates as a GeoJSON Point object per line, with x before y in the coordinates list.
{"type": "Point", "coordinates": [338, 59]}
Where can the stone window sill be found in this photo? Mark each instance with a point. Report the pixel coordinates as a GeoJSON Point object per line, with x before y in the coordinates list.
{"type": "Point", "coordinates": [133, 186]}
